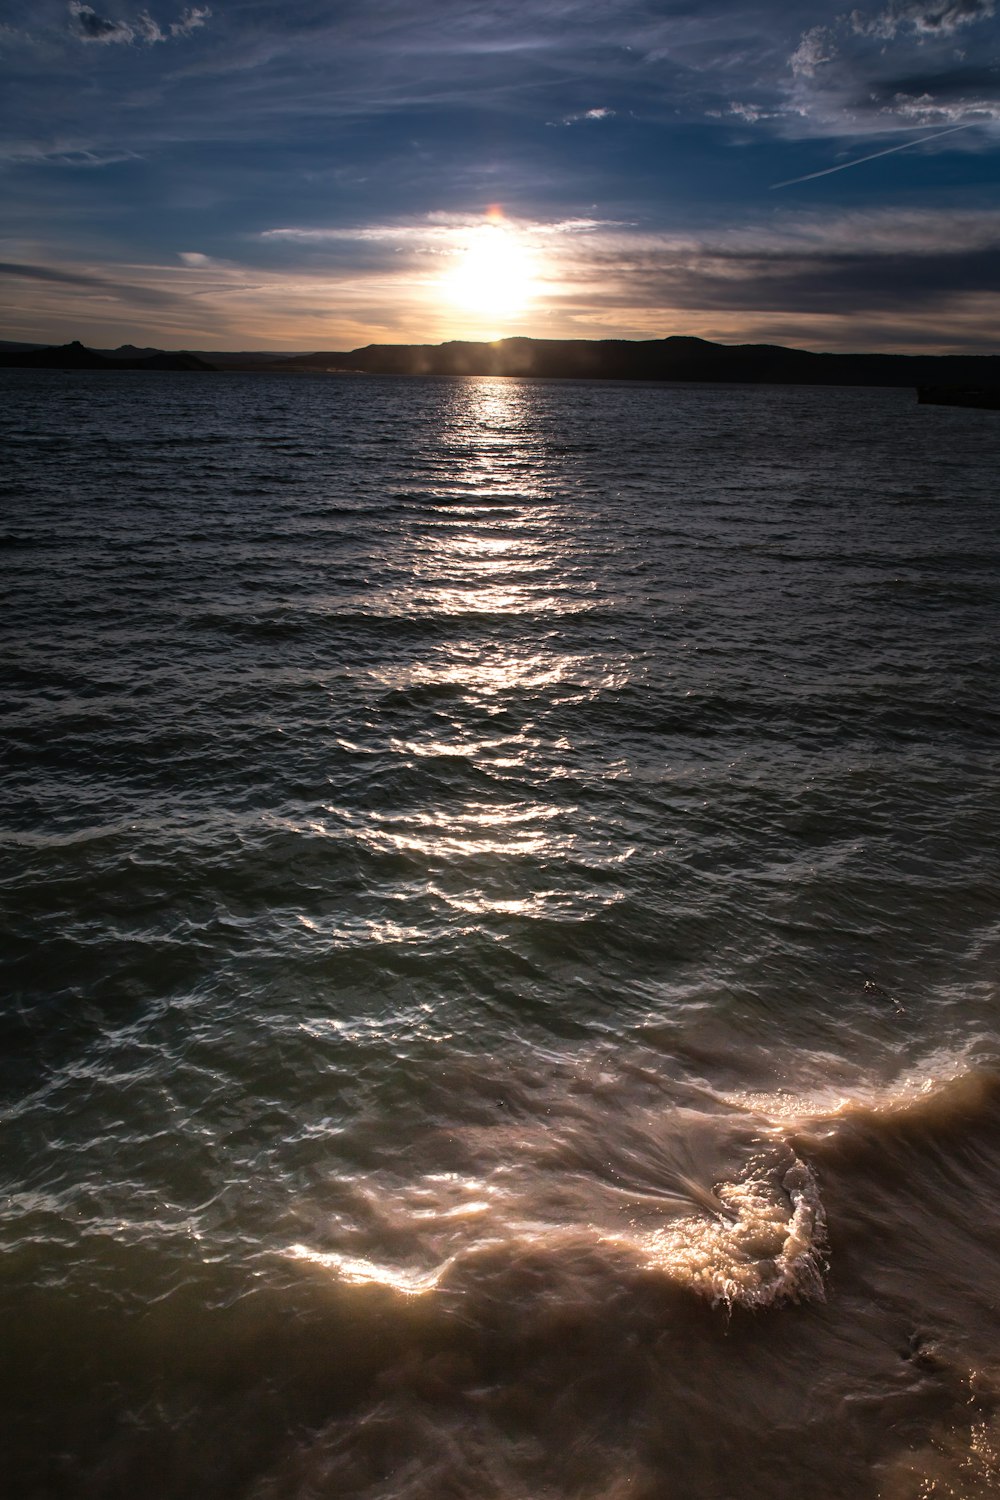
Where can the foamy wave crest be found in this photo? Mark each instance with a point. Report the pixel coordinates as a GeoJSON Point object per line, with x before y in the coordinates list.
{"type": "Point", "coordinates": [948, 1088]}
{"type": "Point", "coordinates": [946, 1093]}
{"type": "Point", "coordinates": [767, 1246]}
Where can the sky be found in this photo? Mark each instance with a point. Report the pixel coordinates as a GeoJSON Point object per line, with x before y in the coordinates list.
{"type": "Point", "coordinates": [324, 174]}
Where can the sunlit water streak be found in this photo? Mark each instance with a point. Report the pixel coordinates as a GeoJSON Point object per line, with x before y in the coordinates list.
{"type": "Point", "coordinates": [500, 917]}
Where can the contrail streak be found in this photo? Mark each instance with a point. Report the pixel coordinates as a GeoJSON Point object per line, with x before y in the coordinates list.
{"type": "Point", "coordinates": [875, 154]}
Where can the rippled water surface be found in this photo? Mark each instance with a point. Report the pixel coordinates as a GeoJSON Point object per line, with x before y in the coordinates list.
{"type": "Point", "coordinates": [500, 937]}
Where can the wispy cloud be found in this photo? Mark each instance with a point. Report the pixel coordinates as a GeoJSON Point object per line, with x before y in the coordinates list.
{"type": "Point", "coordinates": [437, 224]}
{"type": "Point", "coordinates": [125, 291]}
{"type": "Point", "coordinates": [926, 17]}
{"type": "Point", "coordinates": [47, 273]}
{"type": "Point", "coordinates": [90, 26]}
{"type": "Point", "coordinates": [601, 113]}
{"type": "Point", "coordinates": [819, 282]}
{"type": "Point", "coordinates": [64, 154]}
{"type": "Point", "coordinates": [192, 20]}
{"type": "Point", "coordinates": [816, 48]}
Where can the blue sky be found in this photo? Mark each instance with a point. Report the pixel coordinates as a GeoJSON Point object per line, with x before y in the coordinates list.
{"type": "Point", "coordinates": [321, 175]}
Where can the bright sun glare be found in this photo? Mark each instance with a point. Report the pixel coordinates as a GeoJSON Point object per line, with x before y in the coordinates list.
{"type": "Point", "coordinates": [493, 274]}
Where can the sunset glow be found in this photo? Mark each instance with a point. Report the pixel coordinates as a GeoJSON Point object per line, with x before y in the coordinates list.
{"type": "Point", "coordinates": [306, 177]}
{"type": "Point", "coordinates": [493, 274]}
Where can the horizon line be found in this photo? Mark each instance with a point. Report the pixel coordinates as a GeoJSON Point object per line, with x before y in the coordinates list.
{"type": "Point", "coordinates": [26, 345]}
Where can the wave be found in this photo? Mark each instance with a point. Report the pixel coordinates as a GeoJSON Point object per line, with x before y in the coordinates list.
{"type": "Point", "coordinates": [726, 1205]}
{"type": "Point", "coordinates": [949, 1093]}
{"type": "Point", "coordinates": [592, 1259]}
{"type": "Point", "coordinates": [767, 1246]}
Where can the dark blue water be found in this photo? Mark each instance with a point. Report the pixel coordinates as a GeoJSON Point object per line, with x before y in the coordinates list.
{"type": "Point", "coordinates": [500, 933]}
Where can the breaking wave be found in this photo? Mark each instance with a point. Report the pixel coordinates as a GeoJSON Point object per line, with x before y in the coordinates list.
{"type": "Point", "coordinates": [768, 1246]}
{"type": "Point", "coordinates": [753, 1234]}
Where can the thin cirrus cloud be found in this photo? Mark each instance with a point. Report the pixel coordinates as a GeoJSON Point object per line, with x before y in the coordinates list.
{"type": "Point", "coordinates": [63, 153]}
{"type": "Point", "coordinates": [101, 288]}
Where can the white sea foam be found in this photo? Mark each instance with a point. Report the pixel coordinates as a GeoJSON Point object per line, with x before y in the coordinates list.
{"type": "Point", "coordinates": [771, 1249]}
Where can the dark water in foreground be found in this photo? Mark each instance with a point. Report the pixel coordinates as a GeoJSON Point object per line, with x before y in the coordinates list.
{"type": "Point", "coordinates": [501, 931]}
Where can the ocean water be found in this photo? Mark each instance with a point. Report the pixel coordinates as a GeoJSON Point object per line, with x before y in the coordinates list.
{"type": "Point", "coordinates": [500, 941]}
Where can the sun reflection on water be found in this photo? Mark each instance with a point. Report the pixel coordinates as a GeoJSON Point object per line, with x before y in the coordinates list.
{"type": "Point", "coordinates": [493, 541]}
{"type": "Point", "coordinates": [492, 554]}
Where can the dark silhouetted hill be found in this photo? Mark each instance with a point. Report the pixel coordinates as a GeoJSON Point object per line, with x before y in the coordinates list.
{"type": "Point", "coordinates": [687, 359]}
{"type": "Point", "coordinates": [129, 351]}
{"type": "Point", "coordinates": [676, 358]}
{"type": "Point", "coordinates": [75, 356]}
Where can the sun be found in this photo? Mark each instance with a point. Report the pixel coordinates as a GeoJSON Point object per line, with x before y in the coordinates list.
{"type": "Point", "coordinates": [494, 273]}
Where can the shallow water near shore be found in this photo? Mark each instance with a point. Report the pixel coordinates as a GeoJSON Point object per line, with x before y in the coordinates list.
{"type": "Point", "coordinates": [501, 940]}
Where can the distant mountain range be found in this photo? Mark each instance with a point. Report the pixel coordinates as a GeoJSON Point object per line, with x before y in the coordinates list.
{"type": "Point", "coordinates": [676, 358]}
{"type": "Point", "coordinates": [75, 357]}
{"type": "Point", "coordinates": [687, 359]}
